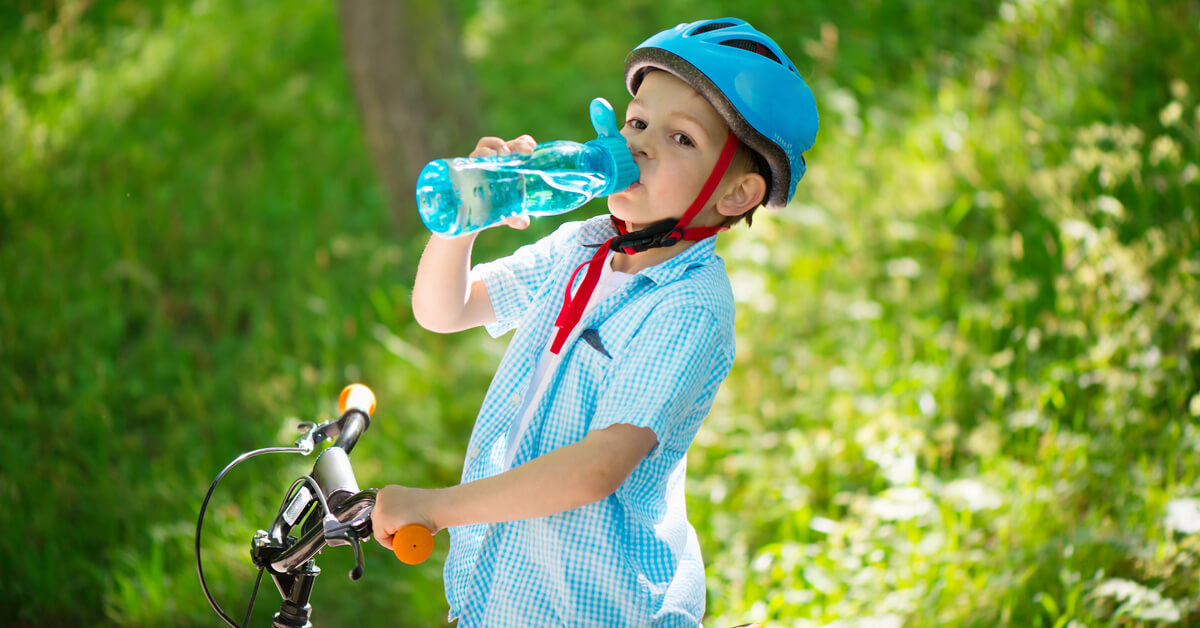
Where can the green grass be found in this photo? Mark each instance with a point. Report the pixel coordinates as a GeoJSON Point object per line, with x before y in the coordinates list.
{"type": "Point", "coordinates": [966, 390]}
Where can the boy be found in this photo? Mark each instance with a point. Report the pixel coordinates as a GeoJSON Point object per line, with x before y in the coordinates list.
{"type": "Point", "coordinates": [571, 508]}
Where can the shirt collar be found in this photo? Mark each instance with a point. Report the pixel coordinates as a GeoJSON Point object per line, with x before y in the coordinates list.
{"type": "Point", "coordinates": [702, 253]}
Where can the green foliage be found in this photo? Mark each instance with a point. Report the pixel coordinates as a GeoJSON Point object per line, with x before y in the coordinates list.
{"type": "Point", "coordinates": [966, 390]}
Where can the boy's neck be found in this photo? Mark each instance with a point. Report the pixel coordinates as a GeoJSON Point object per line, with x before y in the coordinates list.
{"type": "Point", "coordinates": [632, 264]}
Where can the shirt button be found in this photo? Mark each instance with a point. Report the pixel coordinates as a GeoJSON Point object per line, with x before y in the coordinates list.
{"type": "Point", "coordinates": [515, 399]}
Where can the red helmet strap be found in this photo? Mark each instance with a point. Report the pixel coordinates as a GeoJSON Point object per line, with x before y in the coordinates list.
{"type": "Point", "coordinates": [664, 233]}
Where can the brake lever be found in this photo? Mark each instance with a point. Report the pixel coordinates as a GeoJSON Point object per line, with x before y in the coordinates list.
{"type": "Point", "coordinates": [313, 434]}
{"type": "Point", "coordinates": [337, 533]}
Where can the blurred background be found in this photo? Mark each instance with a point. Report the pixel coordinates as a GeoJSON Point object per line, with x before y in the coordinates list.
{"type": "Point", "coordinates": [969, 351]}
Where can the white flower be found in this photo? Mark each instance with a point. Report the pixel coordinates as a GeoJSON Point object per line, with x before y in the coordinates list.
{"type": "Point", "coordinates": [1171, 113]}
{"type": "Point", "coordinates": [1183, 515]}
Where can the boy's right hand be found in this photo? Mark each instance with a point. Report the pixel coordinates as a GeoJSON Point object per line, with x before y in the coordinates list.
{"type": "Point", "coordinates": [491, 146]}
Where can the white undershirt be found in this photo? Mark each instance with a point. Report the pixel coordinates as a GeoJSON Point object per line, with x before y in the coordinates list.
{"type": "Point", "coordinates": [610, 281]}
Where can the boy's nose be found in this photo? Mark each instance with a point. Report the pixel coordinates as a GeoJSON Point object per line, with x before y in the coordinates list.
{"type": "Point", "coordinates": [637, 146]}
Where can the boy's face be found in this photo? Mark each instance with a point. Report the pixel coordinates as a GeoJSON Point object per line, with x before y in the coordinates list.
{"type": "Point", "coordinates": [676, 138]}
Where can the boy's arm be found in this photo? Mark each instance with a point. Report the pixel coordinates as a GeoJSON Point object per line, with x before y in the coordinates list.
{"type": "Point", "coordinates": [444, 300]}
{"type": "Point", "coordinates": [566, 478]}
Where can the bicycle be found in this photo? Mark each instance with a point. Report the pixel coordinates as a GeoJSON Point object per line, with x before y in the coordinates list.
{"type": "Point", "coordinates": [327, 508]}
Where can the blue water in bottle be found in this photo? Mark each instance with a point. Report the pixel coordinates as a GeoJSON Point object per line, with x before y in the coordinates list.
{"type": "Point", "coordinates": [465, 194]}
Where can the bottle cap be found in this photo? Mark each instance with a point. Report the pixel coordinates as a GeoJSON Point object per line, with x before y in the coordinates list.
{"type": "Point", "coordinates": [610, 141]}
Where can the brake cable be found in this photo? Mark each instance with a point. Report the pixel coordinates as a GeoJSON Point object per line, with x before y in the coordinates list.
{"type": "Point", "coordinates": [304, 450]}
{"type": "Point", "coordinates": [413, 544]}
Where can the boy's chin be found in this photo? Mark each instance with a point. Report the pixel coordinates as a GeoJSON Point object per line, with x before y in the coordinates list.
{"type": "Point", "coordinates": [626, 216]}
{"type": "Point", "coordinates": [619, 207]}
{"type": "Point", "coordinates": [631, 213]}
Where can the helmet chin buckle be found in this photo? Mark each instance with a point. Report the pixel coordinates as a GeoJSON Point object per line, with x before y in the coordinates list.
{"type": "Point", "coordinates": [663, 233]}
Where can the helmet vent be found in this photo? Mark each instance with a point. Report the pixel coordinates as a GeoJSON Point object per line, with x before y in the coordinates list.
{"type": "Point", "coordinates": [704, 28]}
{"type": "Point", "coordinates": [752, 46]}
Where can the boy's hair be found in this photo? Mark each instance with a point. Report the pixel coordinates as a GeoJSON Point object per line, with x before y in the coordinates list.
{"type": "Point", "coordinates": [745, 159]}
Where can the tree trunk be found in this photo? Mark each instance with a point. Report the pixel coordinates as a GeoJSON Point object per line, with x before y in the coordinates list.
{"type": "Point", "coordinates": [414, 89]}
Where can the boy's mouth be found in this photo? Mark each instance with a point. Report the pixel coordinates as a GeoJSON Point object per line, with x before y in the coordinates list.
{"type": "Point", "coordinates": [632, 186]}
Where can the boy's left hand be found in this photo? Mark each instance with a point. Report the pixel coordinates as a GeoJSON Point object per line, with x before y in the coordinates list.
{"type": "Point", "coordinates": [490, 146]}
{"type": "Point", "coordinates": [397, 506]}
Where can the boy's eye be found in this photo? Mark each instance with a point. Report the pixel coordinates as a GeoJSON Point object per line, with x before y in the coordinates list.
{"type": "Point", "coordinates": [635, 123]}
{"type": "Point", "coordinates": [682, 139]}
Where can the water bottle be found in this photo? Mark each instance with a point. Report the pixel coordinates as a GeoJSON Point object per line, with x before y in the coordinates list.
{"type": "Point", "coordinates": [465, 194]}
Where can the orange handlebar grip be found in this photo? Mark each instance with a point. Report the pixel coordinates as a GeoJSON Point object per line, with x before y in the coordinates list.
{"type": "Point", "coordinates": [413, 544]}
{"type": "Point", "coordinates": [358, 397]}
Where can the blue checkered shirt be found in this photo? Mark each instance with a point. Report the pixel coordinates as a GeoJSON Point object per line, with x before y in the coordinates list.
{"type": "Point", "coordinates": [657, 350]}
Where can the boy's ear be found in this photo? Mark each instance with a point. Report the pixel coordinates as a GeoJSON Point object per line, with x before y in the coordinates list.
{"type": "Point", "coordinates": [746, 193]}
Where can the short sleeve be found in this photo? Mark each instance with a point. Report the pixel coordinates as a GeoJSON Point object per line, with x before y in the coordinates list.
{"type": "Point", "coordinates": [513, 281]}
{"type": "Point", "coordinates": [667, 376]}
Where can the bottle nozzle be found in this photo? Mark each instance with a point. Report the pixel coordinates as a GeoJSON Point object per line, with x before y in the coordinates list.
{"type": "Point", "coordinates": [604, 119]}
{"type": "Point", "coordinates": [609, 139]}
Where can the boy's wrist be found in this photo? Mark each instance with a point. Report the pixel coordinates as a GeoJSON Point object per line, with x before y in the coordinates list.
{"type": "Point", "coordinates": [466, 238]}
{"type": "Point", "coordinates": [434, 507]}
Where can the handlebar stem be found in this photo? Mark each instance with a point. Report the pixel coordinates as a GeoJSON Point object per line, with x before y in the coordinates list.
{"type": "Point", "coordinates": [335, 476]}
{"type": "Point", "coordinates": [352, 425]}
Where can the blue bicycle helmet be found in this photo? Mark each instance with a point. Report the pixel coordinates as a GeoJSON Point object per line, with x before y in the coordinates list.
{"type": "Point", "coordinates": [752, 85]}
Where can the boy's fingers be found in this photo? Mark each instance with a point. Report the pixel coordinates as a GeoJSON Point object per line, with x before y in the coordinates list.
{"type": "Point", "coordinates": [383, 538]}
{"type": "Point", "coordinates": [379, 528]}
{"type": "Point", "coordinates": [517, 222]}
{"type": "Point", "coordinates": [493, 143]}
{"type": "Point", "coordinates": [488, 146]}
{"type": "Point", "coordinates": [523, 145]}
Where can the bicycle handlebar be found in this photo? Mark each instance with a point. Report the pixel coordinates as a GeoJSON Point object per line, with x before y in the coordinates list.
{"type": "Point", "coordinates": [413, 543]}
{"type": "Point", "coordinates": [357, 397]}
{"type": "Point", "coordinates": [335, 513]}
{"type": "Point", "coordinates": [355, 511]}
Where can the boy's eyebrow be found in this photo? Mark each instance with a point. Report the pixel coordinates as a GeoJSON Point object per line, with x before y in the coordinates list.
{"type": "Point", "coordinates": [675, 113]}
{"type": "Point", "coordinates": [689, 118]}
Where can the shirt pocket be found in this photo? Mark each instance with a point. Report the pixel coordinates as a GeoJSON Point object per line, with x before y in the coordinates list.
{"type": "Point", "coordinates": [564, 413]}
{"type": "Point", "coordinates": [585, 369]}
{"type": "Point", "coordinates": [589, 360]}
{"type": "Point", "coordinates": [591, 337]}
